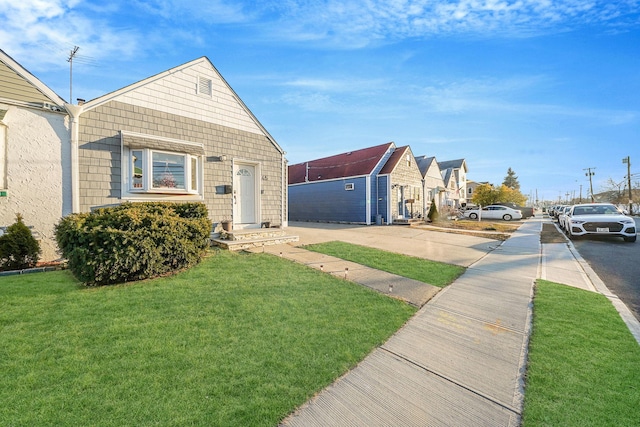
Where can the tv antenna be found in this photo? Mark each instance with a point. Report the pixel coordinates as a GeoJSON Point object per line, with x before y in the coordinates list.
{"type": "Point", "coordinates": [70, 61]}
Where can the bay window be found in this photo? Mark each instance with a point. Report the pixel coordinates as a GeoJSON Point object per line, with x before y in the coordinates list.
{"type": "Point", "coordinates": [161, 166]}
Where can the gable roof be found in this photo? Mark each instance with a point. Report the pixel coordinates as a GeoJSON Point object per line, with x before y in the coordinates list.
{"type": "Point", "coordinates": [453, 164]}
{"type": "Point", "coordinates": [19, 85]}
{"type": "Point", "coordinates": [424, 163]}
{"type": "Point", "coordinates": [149, 80]}
{"type": "Point", "coordinates": [352, 163]}
{"type": "Point", "coordinates": [398, 154]}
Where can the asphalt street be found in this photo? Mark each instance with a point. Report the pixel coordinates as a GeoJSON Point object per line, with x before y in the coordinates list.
{"type": "Point", "coordinates": [617, 263]}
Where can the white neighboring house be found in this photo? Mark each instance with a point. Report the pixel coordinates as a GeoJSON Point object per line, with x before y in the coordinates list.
{"type": "Point", "coordinates": [35, 170]}
{"type": "Point", "coordinates": [433, 185]}
{"type": "Point", "coordinates": [454, 174]}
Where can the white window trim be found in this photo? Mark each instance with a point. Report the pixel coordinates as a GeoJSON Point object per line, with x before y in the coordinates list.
{"type": "Point", "coordinates": [182, 148]}
{"type": "Point", "coordinates": [3, 156]}
{"type": "Point", "coordinates": [199, 80]}
{"type": "Point", "coordinates": [349, 186]}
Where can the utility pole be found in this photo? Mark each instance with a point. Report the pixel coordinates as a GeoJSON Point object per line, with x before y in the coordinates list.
{"type": "Point", "coordinates": [627, 160]}
{"type": "Point", "coordinates": [70, 61]}
{"type": "Point", "coordinates": [590, 174]}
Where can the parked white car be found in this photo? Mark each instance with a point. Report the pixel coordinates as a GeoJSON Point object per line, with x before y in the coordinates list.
{"type": "Point", "coordinates": [494, 212]}
{"type": "Point", "coordinates": [599, 219]}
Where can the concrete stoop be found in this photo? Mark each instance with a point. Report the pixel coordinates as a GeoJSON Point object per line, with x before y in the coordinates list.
{"type": "Point", "coordinates": [408, 221]}
{"type": "Point", "coordinates": [239, 240]}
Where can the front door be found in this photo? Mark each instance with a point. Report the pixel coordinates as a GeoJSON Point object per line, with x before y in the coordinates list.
{"type": "Point", "coordinates": [244, 194]}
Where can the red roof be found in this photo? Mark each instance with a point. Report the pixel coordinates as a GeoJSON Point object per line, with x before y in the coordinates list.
{"type": "Point", "coordinates": [352, 163]}
{"type": "Point", "coordinates": [397, 155]}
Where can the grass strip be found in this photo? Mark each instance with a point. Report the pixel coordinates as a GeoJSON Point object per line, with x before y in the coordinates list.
{"type": "Point", "coordinates": [584, 364]}
{"type": "Point", "coordinates": [240, 339]}
{"type": "Point", "coordinates": [431, 272]}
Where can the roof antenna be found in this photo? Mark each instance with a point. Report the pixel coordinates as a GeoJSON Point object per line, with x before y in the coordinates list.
{"type": "Point", "coordinates": [70, 61]}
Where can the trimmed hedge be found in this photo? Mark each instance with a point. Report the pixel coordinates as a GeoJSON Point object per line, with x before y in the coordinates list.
{"type": "Point", "coordinates": [133, 241]}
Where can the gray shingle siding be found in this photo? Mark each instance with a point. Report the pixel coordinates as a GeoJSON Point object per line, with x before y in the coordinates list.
{"type": "Point", "coordinates": [100, 157]}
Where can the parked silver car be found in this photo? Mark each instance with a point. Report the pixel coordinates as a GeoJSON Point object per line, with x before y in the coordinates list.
{"type": "Point", "coordinates": [599, 219]}
{"type": "Point", "coordinates": [494, 212]}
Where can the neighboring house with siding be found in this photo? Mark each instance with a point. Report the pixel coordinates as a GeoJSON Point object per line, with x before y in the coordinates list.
{"type": "Point", "coordinates": [340, 188]}
{"type": "Point", "coordinates": [400, 186]}
{"type": "Point", "coordinates": [181, 135]}
{"type": "Point", "coordinates": [35, 162]}
{"type": "Point", "coordinates": [366, 186]}
{"type": "Point", "coordinates": [454, 175]}
{"type": "Point", "coordinates": [433, 187]}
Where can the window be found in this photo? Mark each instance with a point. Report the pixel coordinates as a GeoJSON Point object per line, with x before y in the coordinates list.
{"type": "Point", "coordinates": [3, 154]}
{"type": "Point", "coordinates": [155, 171]}
{"type": "Point", "coordinates": [160, 165]}
{"type": "Point", "coordinates": [349, 187]}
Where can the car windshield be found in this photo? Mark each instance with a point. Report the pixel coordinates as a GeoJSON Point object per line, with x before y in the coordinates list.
{"type": "Point", "coordinates": [596, 210]}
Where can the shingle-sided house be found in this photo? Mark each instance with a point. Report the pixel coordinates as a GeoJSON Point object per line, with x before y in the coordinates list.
{"type": "Point", "coordinates": [340, 188]}
{"type": "Point", "coordinates": [433, 187]}
{"type": "Point", "coordinates": [35, 179]}
{"type": "Point", "coordinates": [181, 135]}
{"type": "Point", "coordinates": [371, 185]}
{"type": "Point", "coordinates": [454, 174]}
{"type": "Point", "coordinates": [400, 186]}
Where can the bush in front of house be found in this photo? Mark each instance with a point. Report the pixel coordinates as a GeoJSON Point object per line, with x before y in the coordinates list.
{"type": "Point", "coordinates": [133, 241]}
{"type": "Point", "coordinates": [18, 248]}
{"type": "Point", "coordinates": [433, 211]}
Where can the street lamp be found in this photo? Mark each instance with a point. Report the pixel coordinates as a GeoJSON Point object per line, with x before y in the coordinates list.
{"type": "Point", "coordinates": [627, 160]}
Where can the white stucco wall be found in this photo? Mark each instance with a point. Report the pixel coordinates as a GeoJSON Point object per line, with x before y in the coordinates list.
{"type": "Point", "coordinates": [38, 172]}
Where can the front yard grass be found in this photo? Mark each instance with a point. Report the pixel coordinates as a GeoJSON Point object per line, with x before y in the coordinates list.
{"type": "Point", "coordinates": [584, 364]}
{"type": "Point", "coordinates": [431, 272]}
{"type": "Point", "coordinates": [241, 339]}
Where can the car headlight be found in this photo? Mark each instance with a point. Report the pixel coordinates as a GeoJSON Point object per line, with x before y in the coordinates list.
{"type": "Point", "coordinates": [628, 221]}
{"type": "Point", "coordinates": [577, 221]}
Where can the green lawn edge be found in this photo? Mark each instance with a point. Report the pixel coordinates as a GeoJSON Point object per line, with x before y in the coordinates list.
{"type": "Point", "coordinates": [240, 339]}
{"type": "Point", "coordinates": [431, 272]}
{"type": "Point", "coordinates": [583, 362]}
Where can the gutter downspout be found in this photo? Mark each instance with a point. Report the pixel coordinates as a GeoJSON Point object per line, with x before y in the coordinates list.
{"type": "Point", "coordinates": [74, 113]}
{"type": "Point", "coordinates": [285, 192]}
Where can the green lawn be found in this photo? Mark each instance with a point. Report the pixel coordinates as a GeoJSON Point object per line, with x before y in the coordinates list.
{"type": "Point", "coordinates": [584, 364]}
{"type": "Point", "coordinates": [431, 272]}
{"type": "Point", "coordinates": [239, 340]}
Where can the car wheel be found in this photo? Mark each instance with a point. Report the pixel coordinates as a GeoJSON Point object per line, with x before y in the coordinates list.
{"type": "Point", "coordinates": [630, 239]}
{"type": "Point", "coordinates": [473, 216]}
{"type": "Point", "coordinates": [507, 217]}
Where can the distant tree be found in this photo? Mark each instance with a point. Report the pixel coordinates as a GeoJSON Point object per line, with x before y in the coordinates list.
{"type": "Point", "coordinates": [487, 194]}
{"type": "Point", "coordinates": [511, 180]}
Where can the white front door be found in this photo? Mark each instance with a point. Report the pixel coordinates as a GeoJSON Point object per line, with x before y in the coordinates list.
{"type": "Point", "coordinates": [244, 194]}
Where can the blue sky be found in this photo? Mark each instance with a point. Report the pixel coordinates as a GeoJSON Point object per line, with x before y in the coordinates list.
{"type": "Point", "coordinates": [546, 87]}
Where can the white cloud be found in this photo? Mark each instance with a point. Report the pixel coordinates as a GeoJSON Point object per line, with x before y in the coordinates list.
{"type": "Point", "coordinates": [359, 23]}
{"type": "Point", "coordinates": [41, 33]}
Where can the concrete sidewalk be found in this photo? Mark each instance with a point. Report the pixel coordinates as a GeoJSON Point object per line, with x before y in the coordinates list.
{"type": "Point", "coordinates": [460, 361]}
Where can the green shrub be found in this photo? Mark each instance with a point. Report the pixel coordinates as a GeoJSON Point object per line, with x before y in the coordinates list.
{"type": "Point", "coordinates": [133, 241]}
{"type": "Point", "coordinates": [433, 211]}
{"type": "Point", "coordinates": [18, 248]}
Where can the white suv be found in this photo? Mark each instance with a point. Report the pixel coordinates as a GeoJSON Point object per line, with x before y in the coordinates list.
{"type": "Point", "coordinates": [599, 219]}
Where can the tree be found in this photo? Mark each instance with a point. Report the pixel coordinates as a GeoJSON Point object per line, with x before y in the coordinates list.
{"type": "Point", "coordinates": [511, 180]}
{"type": "Point", "coordinates": [18, 248]}
{"type": "Point", "coordinates": [433, 212]}
{"type": "Point", "coordinates": [487, 194]}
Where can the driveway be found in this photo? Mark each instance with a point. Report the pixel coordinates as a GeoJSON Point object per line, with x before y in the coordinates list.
{"type": "Point", "coordinates": [457, 249]}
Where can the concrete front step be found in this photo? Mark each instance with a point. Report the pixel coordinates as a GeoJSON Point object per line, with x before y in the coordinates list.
{"type": "Point", "coordinates": [254, 233]}
{"type": "Point", "coordinates": [243, 244]}
{"type": "Point", "coordinates": [408, 221]}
